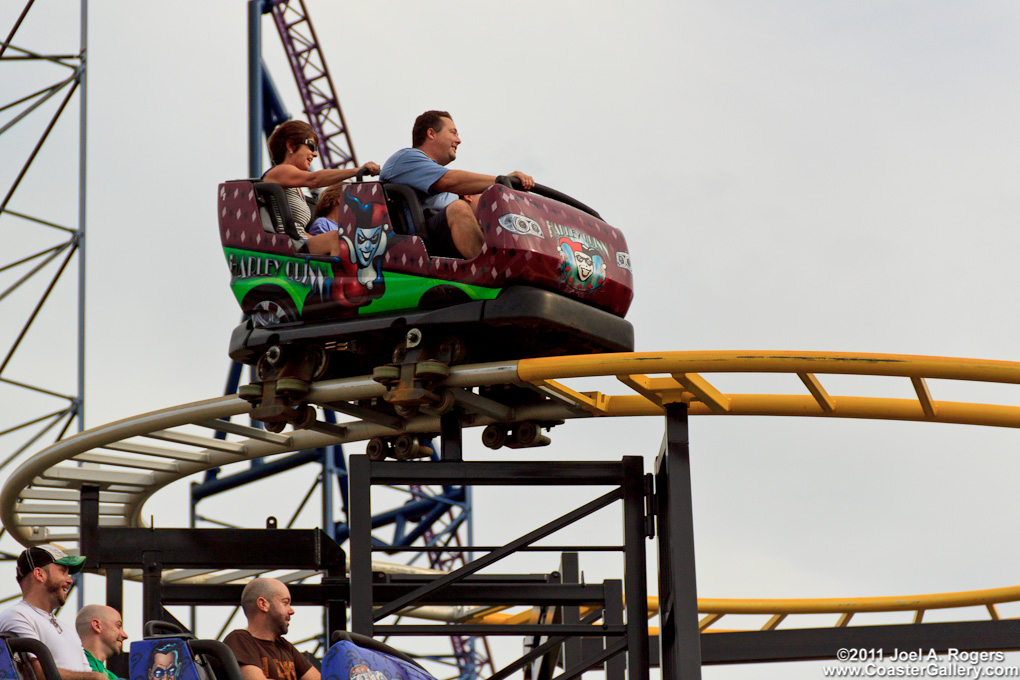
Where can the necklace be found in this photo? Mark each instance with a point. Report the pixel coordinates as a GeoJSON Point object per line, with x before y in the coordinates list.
{"type": "Point", "coordinates": [49, 615]}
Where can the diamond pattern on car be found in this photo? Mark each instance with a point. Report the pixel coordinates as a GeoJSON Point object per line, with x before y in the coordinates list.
{"type": "Point", "coordinates": [506, 257]}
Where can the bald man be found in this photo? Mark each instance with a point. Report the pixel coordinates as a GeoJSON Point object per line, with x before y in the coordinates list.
{"type": "Point", "coordinates": [260, 648]}
{"type": "Point", "coordinates": [101, 630]}
{"type": "Point", "coordinates": [44, 576]}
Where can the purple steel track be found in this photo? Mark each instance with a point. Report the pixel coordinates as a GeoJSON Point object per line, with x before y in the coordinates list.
{"type": "Point", "coordinates": [318, 95]}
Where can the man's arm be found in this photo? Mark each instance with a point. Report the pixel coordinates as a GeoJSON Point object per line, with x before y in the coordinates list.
{"type": "Point", "coordinates": [249, 672]}
{"type": "Point", "coordinates": [66, 674]}
{"type": "Point", "coordinates": [465, 183]}
{"type": "Point", "coordinates": [247, 657]}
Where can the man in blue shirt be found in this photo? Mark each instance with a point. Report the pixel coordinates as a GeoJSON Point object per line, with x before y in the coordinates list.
{"type": "Point", "coordinates": [449, 197]}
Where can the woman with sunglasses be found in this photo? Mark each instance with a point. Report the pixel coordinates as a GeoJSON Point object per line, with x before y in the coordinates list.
{"type": "Point", "coordinates": [292, 146]}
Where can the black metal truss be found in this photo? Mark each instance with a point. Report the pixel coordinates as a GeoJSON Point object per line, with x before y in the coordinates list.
{"type": "Point", "coordinates": [372, 601]}
{"type": "Point", "coordinates": [114, 549]}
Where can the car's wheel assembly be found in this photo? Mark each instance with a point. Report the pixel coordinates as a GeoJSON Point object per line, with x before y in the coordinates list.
{"type": "Point", "coordinates": [269, 306]}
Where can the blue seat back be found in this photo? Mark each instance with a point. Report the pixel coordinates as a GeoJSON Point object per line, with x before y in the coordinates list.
{"type": "Point", "coordinates": [163, 658]}
{"type": "Point", "coordinates": [12, 657]}
{"type": "Point", "coordinates": [346, 660]}
{"type": "Point", "coordinates": [7, 669]}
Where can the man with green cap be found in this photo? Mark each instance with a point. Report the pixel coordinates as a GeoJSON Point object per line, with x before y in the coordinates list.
{"type": "Point", "coordinates": [44, 575]}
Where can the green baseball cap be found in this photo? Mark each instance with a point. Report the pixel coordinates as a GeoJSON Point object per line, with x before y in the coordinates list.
{"type": "Point", "coordinates": [41, 555]}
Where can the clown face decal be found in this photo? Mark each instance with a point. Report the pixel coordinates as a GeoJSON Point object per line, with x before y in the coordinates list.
{"type": "Point", "coordinates": [584, 263]}
{"type": "Point", "coordinates": [367, 242]}
{"type": "Point", "coordinates": [580, 268]}
{"type": "Point", "coordinates": [357, 272]}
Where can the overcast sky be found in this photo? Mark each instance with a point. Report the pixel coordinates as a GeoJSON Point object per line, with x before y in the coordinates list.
{"type": "Point", "coordinates": [790, 175]}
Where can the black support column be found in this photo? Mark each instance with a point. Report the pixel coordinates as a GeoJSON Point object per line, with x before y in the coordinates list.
{"type": "Point", "coordinates": [88, 528]}
{"type": "Point", "coordinates": [451, 436]}
{"type": "Point", "coordinates": [616, 667]}
{"type": "Point", "coordinates": [336, 609]}
{"type": "Point", "coordinates": [115, 598]}
{"type": "Point", "coordinates": [152, 575]}
{"type": "Point", "coordinates": [570, 572]}
{"type": "Point", "coordinates": [680, 640]}
{"type": "Point", "coordinates": [360, 545]}
{"type": "Point", "coordinates": [635, 568]}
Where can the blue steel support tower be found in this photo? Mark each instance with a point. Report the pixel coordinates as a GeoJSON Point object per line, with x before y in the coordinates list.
{"type": "Point", "coordinates": [430, 517]}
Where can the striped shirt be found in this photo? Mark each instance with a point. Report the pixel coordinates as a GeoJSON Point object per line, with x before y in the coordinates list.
{"type": "Point", "coordinates": [299, 209]}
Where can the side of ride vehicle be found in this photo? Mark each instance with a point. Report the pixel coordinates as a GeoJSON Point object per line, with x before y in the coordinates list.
{"type": "Point", "coordinates": [552, 278]}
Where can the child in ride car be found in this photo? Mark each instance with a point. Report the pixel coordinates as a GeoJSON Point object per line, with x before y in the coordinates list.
{"type": "Point", "coordinates": [327, 210]}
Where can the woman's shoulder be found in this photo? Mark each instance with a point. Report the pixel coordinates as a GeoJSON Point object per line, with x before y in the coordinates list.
{"type": "Point", "coordinates": [286, 175]}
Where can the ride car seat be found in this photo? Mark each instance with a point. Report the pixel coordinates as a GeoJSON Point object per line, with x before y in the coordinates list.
{"type": "Point", "coordinates": [13, 663]}
{"type": "Point", "coordinates": [275, 213]}
{"type": "Point", "coordinates": [7, 669]}
{"type": "Point", "coordinates": [406, 215]}
{"type": "Point", "coordinates": [357, 657]}
{"type": "Point", "coordinates": [191, 659]}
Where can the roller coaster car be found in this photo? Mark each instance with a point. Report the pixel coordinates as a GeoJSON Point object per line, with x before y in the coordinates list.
{"type": "Point", "coordinates": [552, 278]}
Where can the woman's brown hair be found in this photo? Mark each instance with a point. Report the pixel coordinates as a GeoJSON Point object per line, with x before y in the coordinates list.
{"type": "Point", "coordinates": [294, 132]}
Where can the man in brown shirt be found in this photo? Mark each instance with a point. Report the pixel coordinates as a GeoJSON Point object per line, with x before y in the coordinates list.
{"type": "Point", "coordinates": [260, 648]}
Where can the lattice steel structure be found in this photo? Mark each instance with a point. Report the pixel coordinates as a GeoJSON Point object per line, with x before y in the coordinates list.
{"type": "Point", "coordinates": [315, 85]}
{"type": "Point", "coordinates": [40, 251]}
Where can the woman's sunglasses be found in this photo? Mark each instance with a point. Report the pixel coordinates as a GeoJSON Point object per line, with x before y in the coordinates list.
{"type": "Point", "coordinates": [311, 144]}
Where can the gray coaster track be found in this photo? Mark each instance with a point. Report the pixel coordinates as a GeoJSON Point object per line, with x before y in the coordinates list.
{"type": "Point", "coordinates": [132, 459]}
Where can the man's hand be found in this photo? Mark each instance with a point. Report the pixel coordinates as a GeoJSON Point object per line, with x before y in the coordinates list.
{"type": "Point", "coordinates": [373, 168]}
{"type": "Point", "coordinates": [527, 181]}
